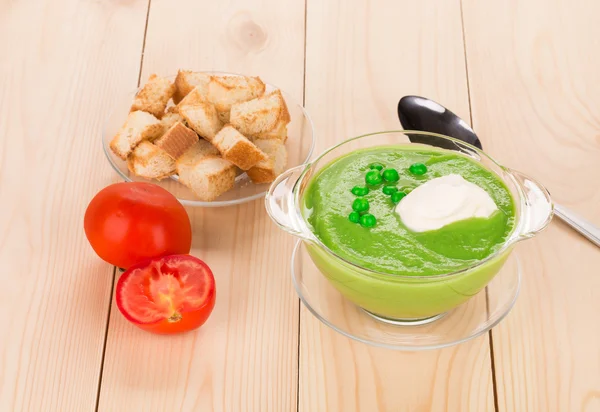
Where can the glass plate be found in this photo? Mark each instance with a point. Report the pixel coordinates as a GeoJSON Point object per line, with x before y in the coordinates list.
{"type": "Point", "coordinates": [300, 144]}
{"type": "Point", "coordinates": [473, 318]}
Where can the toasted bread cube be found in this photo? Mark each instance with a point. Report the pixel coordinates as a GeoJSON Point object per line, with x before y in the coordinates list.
{"type": "Point", "coordinates": [236, 148]}
{"type": "Point", "coordinates": [208, 178]}
{"type": "Point", "coordinates": [279, 132]}
{"type": "Point", "coordinates": [225, 91]}
{"type": "Point", "coordinates": [171, 117]}
{"type": "Point", "coordinates": [199, 150]}
{"type": "Point", "coordinates": [259, 115]}
{"type": "Point", "coordinates": [154, 96]}
{"type": "Point", "coordinates": [149, 161]}
{"type": "Point", "coordinates": [202, 118]}
{"type": "Point", "coordinates": [187, 80]}
{"type": "Point", "coordinates": [267, 170]}
{"type": "Point", "coordinates": [177, 140]}
{"type": "Point", "coordinates": [195, 96]}
{"type": "Point", "coordinates": [139, 126]}
{"type": "Point", "coordinates": [223, 117]}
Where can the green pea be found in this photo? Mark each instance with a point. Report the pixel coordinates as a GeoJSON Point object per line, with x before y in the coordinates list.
{"type": "Point", "coordinates": [389, 190]}
{"type": "Point", "coordinates": [354, 217]}
{"type": "Point", "coordinates": [373, 178]}
{"type": "Point", "coordinates": [390, 175]}
{"type": "Point", "coordinates": [376, 166]}
{"type": "Point", "coordinates": [360, 205]}
{"type": "Point", "coordinates": [418, 169]}
{"type": "Point", "coordinates": [398, 196]}
{"type": "Point", "coordinates": [367, 220]}
{"type": "Point", "coordinates": [360, 191]}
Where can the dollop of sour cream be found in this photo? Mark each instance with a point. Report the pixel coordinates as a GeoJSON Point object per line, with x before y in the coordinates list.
{"type": "Point", "coordinates": [442, 201]}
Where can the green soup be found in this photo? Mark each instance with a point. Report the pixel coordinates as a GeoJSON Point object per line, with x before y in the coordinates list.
{"type": "Point", "coordinates": [389, 246]}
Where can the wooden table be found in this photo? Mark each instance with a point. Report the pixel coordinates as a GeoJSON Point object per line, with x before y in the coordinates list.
{"type": "Point", "coordinates": [526, 73]}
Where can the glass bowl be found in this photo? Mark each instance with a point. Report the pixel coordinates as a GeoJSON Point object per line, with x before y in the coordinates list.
{"type": "Point", "coordinates": [300, 144]}
{"type": "Point", "coordinates": [399, 298]}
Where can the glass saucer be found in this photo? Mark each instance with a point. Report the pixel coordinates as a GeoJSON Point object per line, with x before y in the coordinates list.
{"type": "Point", "coordinates": [468, 321]}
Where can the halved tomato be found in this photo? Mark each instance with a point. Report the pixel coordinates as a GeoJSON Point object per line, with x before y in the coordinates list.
{"type": "Point", "coordinates": [167, 295]}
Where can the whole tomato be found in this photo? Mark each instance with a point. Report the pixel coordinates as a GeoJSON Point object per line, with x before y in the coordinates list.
{"type": "Point", "coordinates": [127, 223]}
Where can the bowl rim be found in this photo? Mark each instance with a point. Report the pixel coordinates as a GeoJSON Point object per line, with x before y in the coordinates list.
{"type": "Point", "coordinates": [216, 203]}
{"type": "Point", "coordinates": [513, 237]}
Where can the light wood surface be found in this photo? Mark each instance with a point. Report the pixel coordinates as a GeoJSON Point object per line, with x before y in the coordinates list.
{"type": "Point", "coordinates": [536, 104]}
{"type": "Point", "coordinates": [526, 71]}
{"type": "Point", "coordinates": [58, 76]}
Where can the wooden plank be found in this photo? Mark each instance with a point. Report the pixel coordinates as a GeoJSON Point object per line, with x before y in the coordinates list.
{"type": "Point", "coordinates": [245, 356]}
{"type": "Point", "coordinates": [361, 58]}
{"type": "Point", "coordinates": [64, 63]}
{"type": "Point", "coordinates": [533, 69]}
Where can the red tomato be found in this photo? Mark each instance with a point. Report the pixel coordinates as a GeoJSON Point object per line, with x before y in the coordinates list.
{"type": "Point", "coordinates": [167, 295]}
{"type": "Point", "coordinates": [127, 223]}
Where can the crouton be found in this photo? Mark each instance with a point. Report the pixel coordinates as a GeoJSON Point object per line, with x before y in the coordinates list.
{"type": "Point", "coordinates": [177, 140]}
{"type": "Point", "coordinates": [199, 150]}
{"type": "Point", "coordinates": [223, 116]}
{"type": "Point", "coordinates": [260, 115]}
{"type": "Point", "coordinates": [279, 132]}
{"type": "Point", "coordinates": [267, 170]}
{"type": "Point", "coordinates": [139, 126]}
{"type": "Point", "coordinates": [154, 96]}
{"type": "Point", "coordinates": [225, 91]}
{"type": "Point", "coordinates": [171, 117]}
{"type": "Point", "coordinates": [195, 96]}
{"type": "Point", "coordinates": [237, 149]}
{"type": "Point", "coordinates": [202, 118]}
{"type": "Point", "coordinates": [149, 161]}
{"type": "Point", "coordinates": [186, 80]}
{"type": "Point", "coordinates": [206, 174]}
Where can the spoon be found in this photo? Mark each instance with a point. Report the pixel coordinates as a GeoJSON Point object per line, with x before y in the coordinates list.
{"type": "Point", "coordinates": [419, 113]}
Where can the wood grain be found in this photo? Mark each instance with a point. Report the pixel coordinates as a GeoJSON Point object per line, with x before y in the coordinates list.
{"type": "Point", "coordinates": [63, 62]}
{"type": "Point", "coordinates": [535, 100]}
{"type": "Point", "coordinates": [361, 58]}
{"type": "Point", "coordinates": [245, 357]}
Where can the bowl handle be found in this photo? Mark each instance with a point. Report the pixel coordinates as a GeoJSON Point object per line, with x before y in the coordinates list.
{"type": "Point", "coordinates": [281, 205]}
{"type": "Point", "coordinates": [539, 208]}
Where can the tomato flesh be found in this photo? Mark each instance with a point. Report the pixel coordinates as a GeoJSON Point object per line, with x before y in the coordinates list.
{"type": "Point", "coordinates": [167, 295]}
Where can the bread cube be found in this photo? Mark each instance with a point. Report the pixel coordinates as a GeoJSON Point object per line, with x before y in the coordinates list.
{"type": "Point", "coordinates": [177, 140]}
{"type": "Point", "coordinates": [225, 91]}
{"type": "Point", "coordinates": [260, 115]}
{"type": "Point", "coordinates": [267, 170]}
{"type": "Point", "coordinates": [195, 96]}
{"type": "Point", "coordinates": [149, 161]}
{"type": "Point", "coordinates": [171, 117]}
{"type": "Point", "coordinates": [197, 152]}
{"type": "Point", "coordinates": [207, 175]}
{"type": "Point", "coordinates": [279, 132]}
{"type": "Point", "coordinates": [187, 80]}
{"type": "Point", "coordinates": [154, 96]}
{"type": "Point", "coordinates": [202, 118]}
{"type": "Point", "coordinates": [139, 126]}
{"type": "Point", "coordinates": [236, 148]}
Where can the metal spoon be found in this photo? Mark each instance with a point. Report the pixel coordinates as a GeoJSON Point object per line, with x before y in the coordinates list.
{"type": "Point", "coordinates": [419, 113]}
